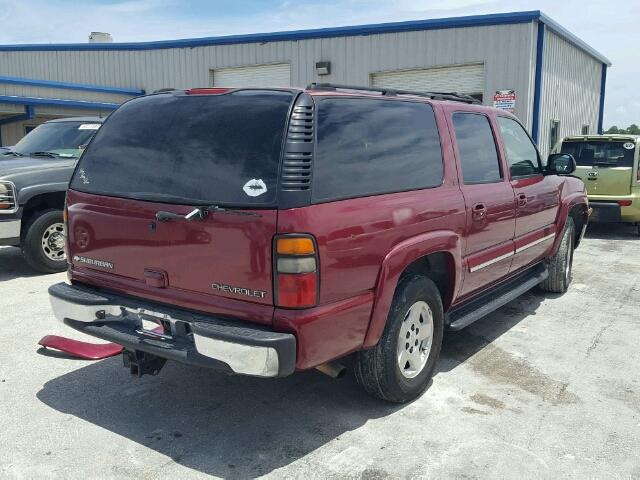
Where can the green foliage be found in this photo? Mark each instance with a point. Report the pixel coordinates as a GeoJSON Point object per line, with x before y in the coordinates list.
{"type": "Point", "coordinates": [633, 129]}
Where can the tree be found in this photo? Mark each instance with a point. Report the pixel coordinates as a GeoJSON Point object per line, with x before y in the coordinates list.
{"type": "Point", "coordinates": [633, 129]}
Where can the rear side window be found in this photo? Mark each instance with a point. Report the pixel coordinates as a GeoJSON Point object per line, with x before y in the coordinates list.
{"type": "Point", "coordinates": [602, 154]}
{"type": "Point", "coordinates": [521, 153]}
{"type": "Point", "coordinates": [191, 149]}
{"type": "Point", "coordinates": [477, 148]}
{"type": "Point", "coordinates": [370, 147]}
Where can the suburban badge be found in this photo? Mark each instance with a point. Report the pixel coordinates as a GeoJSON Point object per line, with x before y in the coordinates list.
{"type": "Point", "coordinates": [93, 262]}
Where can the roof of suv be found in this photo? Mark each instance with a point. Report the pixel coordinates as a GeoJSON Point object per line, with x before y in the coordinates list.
{"type": "Point", "coordinates": [606, 136]}
{"type": "Point", "coordinates": [78, 119]}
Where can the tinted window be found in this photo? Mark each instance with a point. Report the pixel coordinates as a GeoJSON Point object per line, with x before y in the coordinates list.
{"type": "Point", "coordinates": [221, 149]}
{"type": "Point", "coordinates": [603, 154]}
{"type": "Point", "coordinates": [521, 153]}
{"type": "Point", "coordinates": [61, 139]}
{"type": "Point", "coordinates": [368, 147]}
{"type": "Point", "coordinates": [477, 148]}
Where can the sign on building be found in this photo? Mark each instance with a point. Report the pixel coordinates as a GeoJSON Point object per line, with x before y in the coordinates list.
{"type": "Point", "coordinates": [505, 100]}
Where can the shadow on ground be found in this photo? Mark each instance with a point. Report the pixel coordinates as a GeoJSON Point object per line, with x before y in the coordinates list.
{"type": "Point", "coordinates": [612, 231]}
{"type": "Point", "coordinates": [12, 265]}
{"type": "Point", "coordinates": [457, 347]}
{"type": "Point", "coordinates": [227, 426]}
{"type": "Point", "coordinates": [240, 427]}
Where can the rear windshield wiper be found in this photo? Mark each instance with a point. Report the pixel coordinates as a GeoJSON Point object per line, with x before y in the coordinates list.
{"type": "Point", "coordinates": [44, 154]}
{"type": "Point", "coordinates": [200, 213]}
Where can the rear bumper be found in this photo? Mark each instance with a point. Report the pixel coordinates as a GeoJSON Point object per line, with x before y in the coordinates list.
{"type": "Point", "coordinates": [608, 205]}
{"type": "Point", "coordinates": [187, 337]}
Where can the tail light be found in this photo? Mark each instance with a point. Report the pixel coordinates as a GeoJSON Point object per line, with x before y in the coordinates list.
{"type": "Point", "coordinates": [624, 203]}
{"type": "Point", "coordinates": [65, 221]}
{"type": "Point", "coordinates": [296, 282]}
{"type": "Point", "coordinates": [207, 91]}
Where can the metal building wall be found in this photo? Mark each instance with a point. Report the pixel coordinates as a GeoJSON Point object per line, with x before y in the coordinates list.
{"type": "Point", "coordinates": [570, 89]}
{"type": "Point", "coordinates": [506, 50]}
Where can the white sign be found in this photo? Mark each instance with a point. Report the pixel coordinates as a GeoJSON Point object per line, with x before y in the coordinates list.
{"type": "Point", "coordinates": [89, 126]}
{"type": "Point", "coordinates": [505, 100]}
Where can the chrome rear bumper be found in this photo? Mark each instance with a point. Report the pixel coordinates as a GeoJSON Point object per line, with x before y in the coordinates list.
{"type": "Point", "coordinates": [180, 335]}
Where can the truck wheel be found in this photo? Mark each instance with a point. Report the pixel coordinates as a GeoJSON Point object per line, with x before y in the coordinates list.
{"type": "Point", "coordinates": [43, 242]}
{"type": "Point", "coordinates": [561, 263]}
{"type": "Point", "coordinates": [400, 366]}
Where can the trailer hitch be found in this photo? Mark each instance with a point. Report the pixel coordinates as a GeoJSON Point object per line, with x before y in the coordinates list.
{"type": "Point", "coordinates": [142, 363]}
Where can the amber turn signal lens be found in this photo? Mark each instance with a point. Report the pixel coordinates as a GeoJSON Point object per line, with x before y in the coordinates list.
{"type": "Point", "coordinates": [5, 206]}
{"type": "Point", "coordinates": [295, 246]}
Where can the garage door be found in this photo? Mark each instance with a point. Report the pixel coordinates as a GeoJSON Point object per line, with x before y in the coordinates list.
{"type": "Point", "coordinates": [467, 79]}
{"type": "Point", "coordinates": [276, 75]}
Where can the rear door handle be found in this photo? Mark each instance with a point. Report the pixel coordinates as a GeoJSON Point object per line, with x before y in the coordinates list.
{"type": "Point", "coordinates": [479, 212]}
{"type": "Point", "coordinates": [522, 199]}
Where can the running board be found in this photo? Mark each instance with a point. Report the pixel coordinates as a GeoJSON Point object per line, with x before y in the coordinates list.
{"type": "Point", "coordinates": [478, 307]}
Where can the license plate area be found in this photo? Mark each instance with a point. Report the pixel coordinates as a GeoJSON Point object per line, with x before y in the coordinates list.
{"type": "Point", "coordinates": [606, 213]}
{"type": "Point", "coordinates": [161, 326]}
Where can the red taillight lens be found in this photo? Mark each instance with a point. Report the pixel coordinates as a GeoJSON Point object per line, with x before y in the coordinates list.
{"type": "Point", "coordinates": [297, 290]}
{"type": "Point", "coordinates": [207, 91]}
{"type": "Point", "coordinates": [296, 271]}
{"type": "Point", "coordinates": [624, 203]}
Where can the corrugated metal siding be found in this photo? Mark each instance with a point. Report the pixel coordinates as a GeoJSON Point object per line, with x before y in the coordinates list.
{"type": "Point", "coordinates": [505, 50]}
{"type": "Point", "coordinates": [570, 89]}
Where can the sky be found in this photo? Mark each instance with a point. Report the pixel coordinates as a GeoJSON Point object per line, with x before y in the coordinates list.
{"type": "Point", "coordinates": [611, 27]}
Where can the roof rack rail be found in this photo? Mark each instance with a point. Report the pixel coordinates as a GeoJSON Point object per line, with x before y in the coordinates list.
{"type": "Point", "coordinates": [164, 90]}
{"type": "Point", "coordinates": [451, 96]}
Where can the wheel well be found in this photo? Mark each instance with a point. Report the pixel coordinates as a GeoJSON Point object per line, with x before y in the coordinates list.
{"type": "Point", "coordinates": [39, 203]}
{"type": "Point", "coordinates": [580, 216]}
{"type": "Point", "coordinates": [440, 268]}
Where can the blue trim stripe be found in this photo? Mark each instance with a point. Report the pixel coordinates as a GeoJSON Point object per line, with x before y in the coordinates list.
{"type": "Point", "coordinates": [58, 102]}
{"type": "Point", "coordinates": [70, 86]}
{"type": "Point", "coordinates": [371, 29]}
{"type": "Point", "coordinates": [537, 92]}
{"type": "Point", "coordinates": [603, 83]}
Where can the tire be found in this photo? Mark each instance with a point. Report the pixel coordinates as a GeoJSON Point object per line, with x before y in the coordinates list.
{"type": "Point", "coordinates": [378, 369]}
{"type": "Point", "coordinates": [40, 243]}
{"type": "Point", "coordinates": [561, 264]}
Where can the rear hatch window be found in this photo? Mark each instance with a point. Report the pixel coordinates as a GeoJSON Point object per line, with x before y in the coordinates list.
{"type": "Point", "coordinates": [601, 153]}
{"type": "Point", "coordinates": [190, 149]}
{"type": "Point", "coordinates": [168, 153]}
{"type": "Point", "coordinates": [606, 167]}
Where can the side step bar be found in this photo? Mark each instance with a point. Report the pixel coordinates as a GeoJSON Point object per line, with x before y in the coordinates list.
{"type": "Point", "coordinates": [476, 308]}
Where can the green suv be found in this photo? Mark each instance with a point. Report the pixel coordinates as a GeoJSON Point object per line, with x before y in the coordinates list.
{"type": "Point", "coordinates": [608, 165]}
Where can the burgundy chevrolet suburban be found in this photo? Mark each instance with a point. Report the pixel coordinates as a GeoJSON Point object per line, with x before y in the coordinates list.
{"type": "Point", "coordinates": [266, 231]}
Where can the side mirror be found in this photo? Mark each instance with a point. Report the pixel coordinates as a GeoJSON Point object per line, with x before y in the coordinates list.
{"type": "Point", "coordinates": [561, 164]}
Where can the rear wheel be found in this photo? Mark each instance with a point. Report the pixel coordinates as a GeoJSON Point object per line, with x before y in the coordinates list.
{"type": "Point", "coordinates": [400, 366]}
{"type": "Point", "coordinates": [43, 242]}
{"type": "Point", "coordinates": [561, 264]}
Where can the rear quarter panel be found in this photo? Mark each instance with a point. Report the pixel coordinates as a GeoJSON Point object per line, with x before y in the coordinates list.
{"type": "Point", "coordinates": [364, 245]}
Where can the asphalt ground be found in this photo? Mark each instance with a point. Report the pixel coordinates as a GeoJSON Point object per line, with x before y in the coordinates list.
{"type": "Point", "coordinates": [546, 387]}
